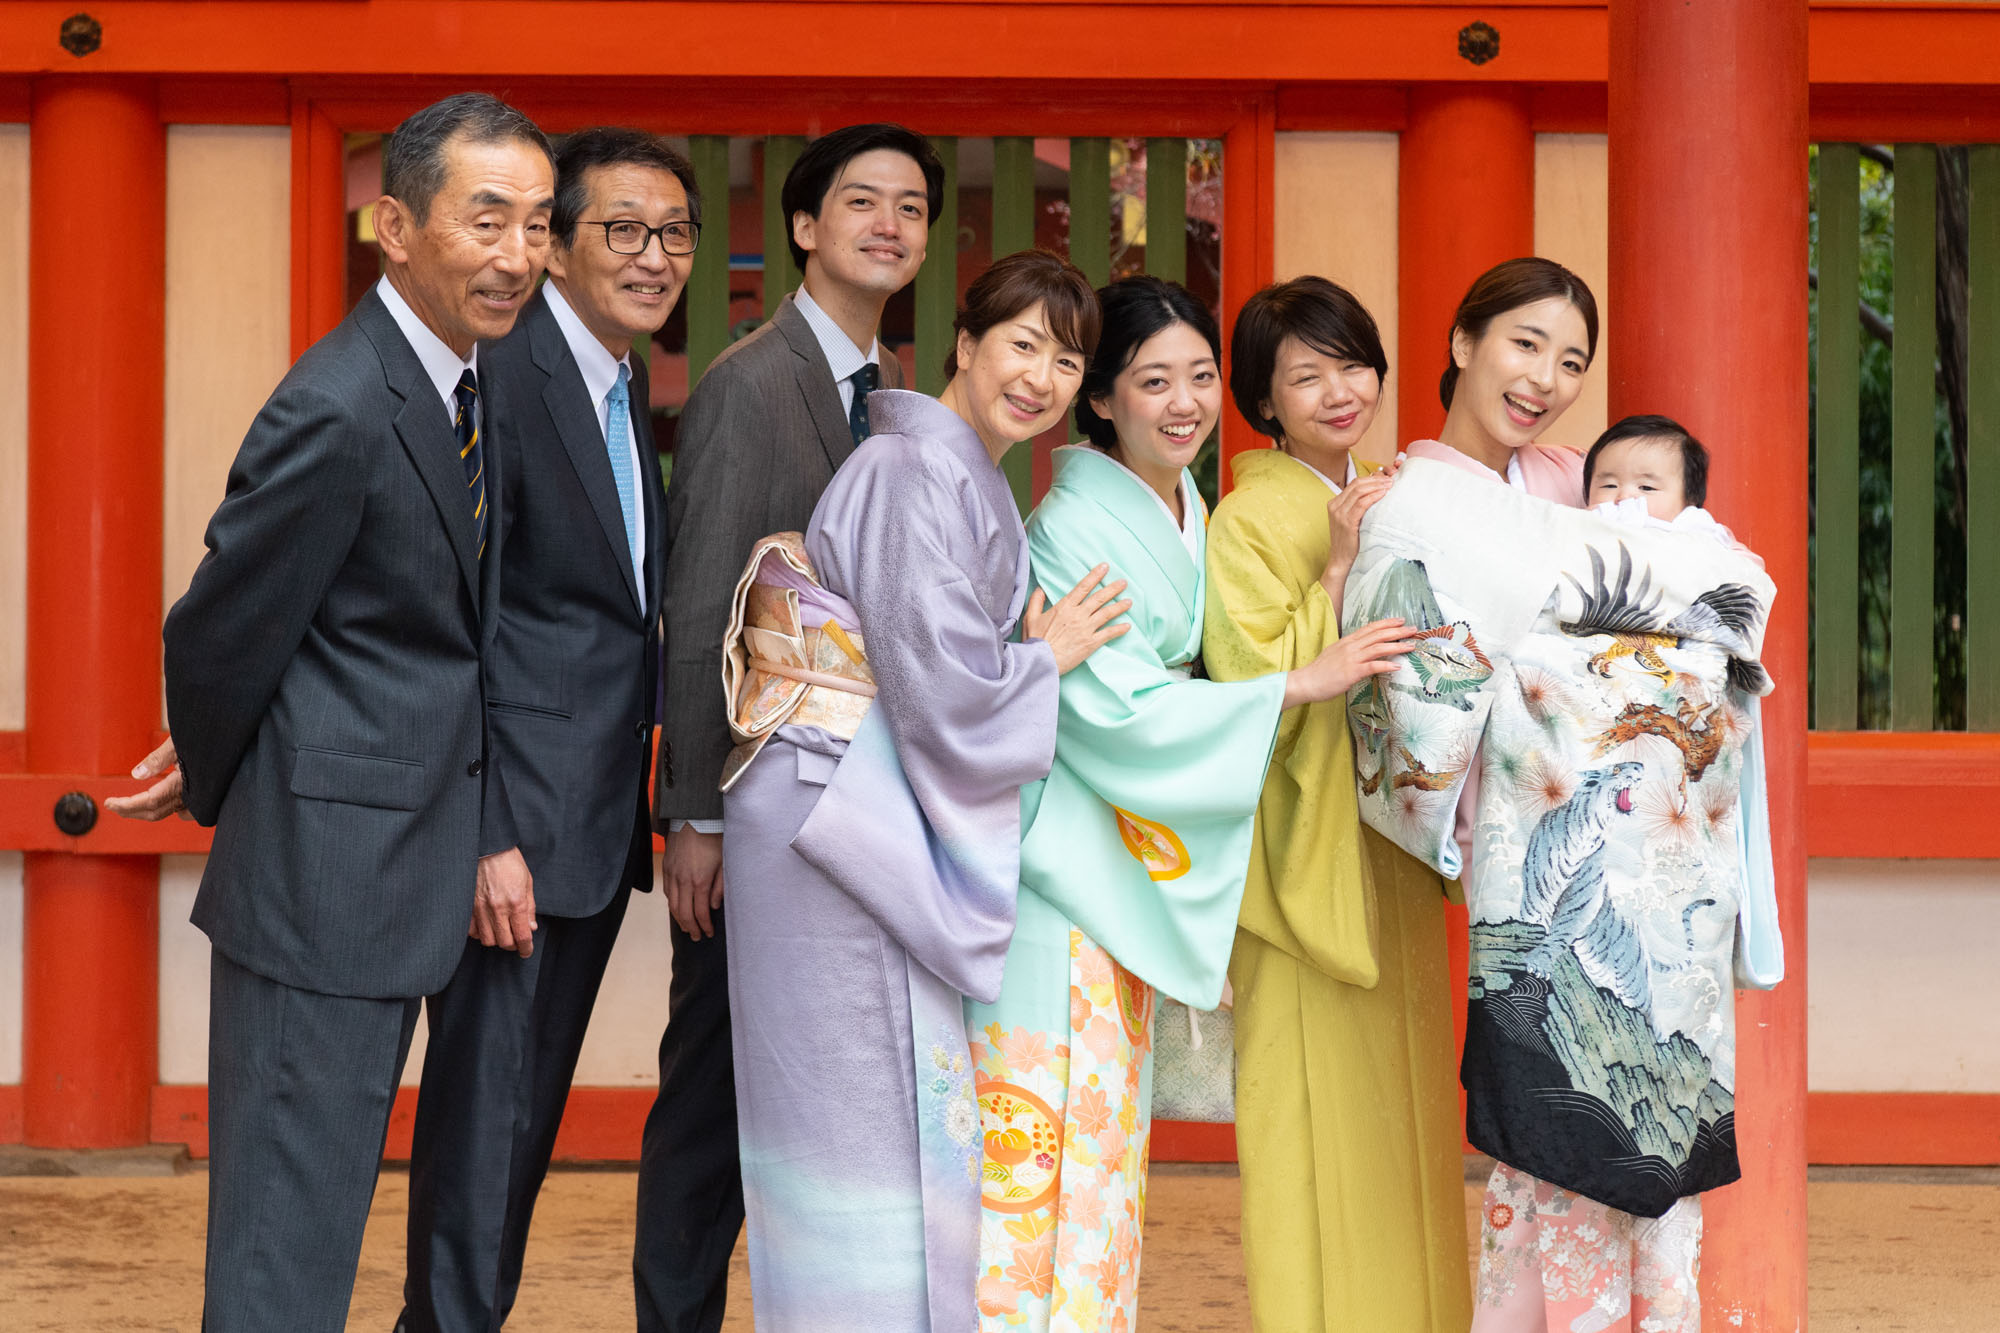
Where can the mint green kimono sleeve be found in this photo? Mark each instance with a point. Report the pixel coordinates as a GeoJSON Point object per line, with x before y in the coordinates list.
{"type": "Point", "coordinates": [1142, 833]}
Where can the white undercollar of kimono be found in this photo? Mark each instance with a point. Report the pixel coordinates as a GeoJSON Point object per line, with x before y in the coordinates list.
{"type": "Point", "coordinates": [1514, 477]}
{"type": "Point", "coordinates": [1348, 481]}
{"type": "Point", "coordinates": [1188, 524]}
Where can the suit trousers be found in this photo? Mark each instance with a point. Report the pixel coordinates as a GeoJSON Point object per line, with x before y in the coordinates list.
{"type": "Point", "coordinates": [299, 1090]}
{"type": "Point", "coordinates": [505, 1033]}
{"type": "Point", "coordinates": [690, 1182]}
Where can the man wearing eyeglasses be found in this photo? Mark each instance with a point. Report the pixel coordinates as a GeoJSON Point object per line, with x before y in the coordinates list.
{"type": "Point", "coordinates": [571, 686]}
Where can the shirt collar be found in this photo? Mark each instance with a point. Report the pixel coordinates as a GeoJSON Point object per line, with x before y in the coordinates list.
{"type": "Point", "coordinates": [1330, 483]}
{"type": "Point", "coordinates": [843, 358]}
{"type": "Point", "coordinates": [593, 358]}
{"type": "Point", "coordinates": [443, 365]}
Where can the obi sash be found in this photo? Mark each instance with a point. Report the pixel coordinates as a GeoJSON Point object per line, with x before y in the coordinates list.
{"type": "Point", "coordinates": [791, 654]}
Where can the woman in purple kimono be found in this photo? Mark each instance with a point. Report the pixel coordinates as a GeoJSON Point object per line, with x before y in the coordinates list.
{"type": "Point", "coordinates": [872, 875]}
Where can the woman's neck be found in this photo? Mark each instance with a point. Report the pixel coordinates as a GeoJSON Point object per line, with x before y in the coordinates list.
{"type": "Point", "coordinates": [1461, 434]}
{"type": "Point", "coordinates": [953, 397]}
{"type": "Point", "coordinates": [1329, 463]}
{"type": "Point", "coordinates": [1165, 481]}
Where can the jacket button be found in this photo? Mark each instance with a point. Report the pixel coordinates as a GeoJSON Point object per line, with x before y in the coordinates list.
{"type": "Point", "coordinates": [640, 729]}
{"type": "Point", "coordinates": [474, 769]}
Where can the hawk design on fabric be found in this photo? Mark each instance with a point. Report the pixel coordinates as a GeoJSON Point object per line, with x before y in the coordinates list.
{"type": "Point", "coordinates": [1689, 728]}
{"type": "Point", "coordinates": [1448, 662]}
{"type": "Point", "coordinates": [1630, 617]}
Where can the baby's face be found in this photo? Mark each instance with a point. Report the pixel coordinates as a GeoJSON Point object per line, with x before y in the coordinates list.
{"type": "Point", "coordinates": [1646, 465]}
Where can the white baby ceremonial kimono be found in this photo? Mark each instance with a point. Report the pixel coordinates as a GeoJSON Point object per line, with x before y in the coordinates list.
{"type": "Point", "coordinates": [1600, 674]}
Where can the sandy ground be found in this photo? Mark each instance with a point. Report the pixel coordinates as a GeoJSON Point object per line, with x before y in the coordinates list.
{"type": "Point", "coordinates": [1913, 1251]}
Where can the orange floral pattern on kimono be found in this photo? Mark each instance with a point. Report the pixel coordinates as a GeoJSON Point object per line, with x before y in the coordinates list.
{"type": "Point", "coordinates": [1066, 1128]}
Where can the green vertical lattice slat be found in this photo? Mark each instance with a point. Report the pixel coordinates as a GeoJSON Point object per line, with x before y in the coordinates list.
{"type": "Point", "coordinates": [1014, 229]}
{"type": "Point", "coordinates": [1090, 208]}
{"type": "Point", "coordinates": [937, 280]}
{"type": "Point", "coordinates": [1913, 446]}
{"type": "Point", "coordinates": [1982, 417]}
{"type": "Point", "coordinates": [1837, 443]}
{"type": "Point", "coordinates": [780, 273]}
{"type": "Point", "coordinates": [707, 294]}
{"type": "Point", "coordinates": [1166, 209]}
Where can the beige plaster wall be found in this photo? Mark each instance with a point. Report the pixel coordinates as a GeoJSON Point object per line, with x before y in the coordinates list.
{"type": "Point", "coordinates": [13, 427]}
{"type": "Point", "coordinates": [1572, 227]}
{"type": "Point", "coordinates": [1336, 216]}
{"type": "Point", "coordinates": [10, 967]}
{"type": "Point", "coordinates": [228, 318]}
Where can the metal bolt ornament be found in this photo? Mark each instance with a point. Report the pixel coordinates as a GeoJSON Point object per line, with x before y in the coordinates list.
{"type": "Point", "coordinates": [80, 35]}
{"type": "Point", "coordinates": [1479, 42]}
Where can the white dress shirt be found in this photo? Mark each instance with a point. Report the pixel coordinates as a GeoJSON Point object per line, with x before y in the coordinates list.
{"type": "Point", "coordinates": [600, 377]}
{"type": "Point", "coordinates": [843, 358]}
{"type": "Point", "coordinates": [443, 365]}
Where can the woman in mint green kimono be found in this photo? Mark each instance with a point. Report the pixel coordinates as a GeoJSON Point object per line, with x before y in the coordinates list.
{"type": "Point", "coordinates": [1134, 849]}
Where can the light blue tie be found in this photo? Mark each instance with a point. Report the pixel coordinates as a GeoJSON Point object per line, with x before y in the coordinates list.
{"type": "Point", "coordinates": [618, 440]}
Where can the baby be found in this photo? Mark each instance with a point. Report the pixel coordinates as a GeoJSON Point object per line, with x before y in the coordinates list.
{"type": "Point", "coordinates": [1648, 471]}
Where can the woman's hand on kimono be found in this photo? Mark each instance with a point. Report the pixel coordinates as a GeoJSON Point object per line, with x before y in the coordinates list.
{"type": "Point", "coordinates": [1343, 518]}
{"type": "Point", "coordinates": [1373, 650]}
{"type": "Point", "coordinates": [1077, 625]}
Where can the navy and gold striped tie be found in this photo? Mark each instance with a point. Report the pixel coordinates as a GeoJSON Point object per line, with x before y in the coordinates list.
{"type": "Point", "coordinates": [466, 426]}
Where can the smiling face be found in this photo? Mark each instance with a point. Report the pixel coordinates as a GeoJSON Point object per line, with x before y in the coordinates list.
{"type": "Point", "coordinates": [1015, 381]}
{"type": "Point", "coordinates": [1165, 403]}
{"type": "Point", "coordinates": [1646, 466]}
{"type": "Point", "coordinates": [618, 297]}
{"type": "Point", "coordinates": [1522, 373]}
{"type": "Point", "coordinates": [472, 264]}
{"type": "Point", "coordinates": [872, 225]}
{"type": "Point", "coordinates": [1322, 403]}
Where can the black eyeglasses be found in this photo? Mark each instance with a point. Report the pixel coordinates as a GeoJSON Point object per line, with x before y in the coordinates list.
{"type": "Point", "coordinates": [632, 238]}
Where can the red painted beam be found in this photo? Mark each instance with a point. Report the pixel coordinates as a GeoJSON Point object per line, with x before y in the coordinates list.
{"type": "Point", "coordinates": [1707, 321]}
{"type": "Point", "coordinates": [1249, 238]}
{"type": "Point", "coordinates": [1900, 794]}
{"type": "Point", "coordinates": [1903, 1128]}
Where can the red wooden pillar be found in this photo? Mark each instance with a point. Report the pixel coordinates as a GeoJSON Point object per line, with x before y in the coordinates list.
{"type": "Point", "coordinates": [1467, 202]}
{"type": "Point", "coordinates": [96, 313]}
{"type": "Point", "coordinates": [1708, 311]}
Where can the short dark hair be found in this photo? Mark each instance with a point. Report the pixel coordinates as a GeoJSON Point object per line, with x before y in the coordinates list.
{"type": "Point", "coordinates": [1509, 286]}
{"type": "Point", "coordinates": [413, 162]}
{"type": "Point", "coordinates": [1017, 283]}
{"type": "Point", "coordinates": [1322, 315]}
{"type": "Point", "coordinates": [1694, 454]}
{"type": "Point", "coordinates": [612, 146]}
{"type": "Point", "coordinates": [1135, 309]}
{"type": "Point", "coordinates": [819, 166]}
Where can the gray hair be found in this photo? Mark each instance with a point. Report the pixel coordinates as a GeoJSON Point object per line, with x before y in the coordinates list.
{"type": "Point", "coordinates": [413, 160]}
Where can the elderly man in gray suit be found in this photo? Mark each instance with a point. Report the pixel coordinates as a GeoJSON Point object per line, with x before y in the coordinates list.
{"type": "Point", "coordinates": [323, 678]}
{"type": "Point", "coordinates": [758, 442]}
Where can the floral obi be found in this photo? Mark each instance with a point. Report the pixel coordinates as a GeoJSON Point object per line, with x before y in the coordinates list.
{"type": "Point", "coordinates": [792, 654]}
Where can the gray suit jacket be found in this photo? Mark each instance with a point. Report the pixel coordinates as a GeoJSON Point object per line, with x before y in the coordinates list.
{"type": "Point", "coordinates": [323, 678]}
{"type": "Point", "coordinates": [759, 440]}
{"type": "Point", "coordinates": [574, 669]}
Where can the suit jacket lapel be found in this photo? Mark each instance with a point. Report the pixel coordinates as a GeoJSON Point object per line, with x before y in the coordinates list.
{"type": "Point", "coordinates": [575, 417]}
{"type": "Point", "coordinates": [425, 430]}
{"type": "Point", "coordinates": [815, 380]}
{"type": "Point", "coordinates": [652, 494]}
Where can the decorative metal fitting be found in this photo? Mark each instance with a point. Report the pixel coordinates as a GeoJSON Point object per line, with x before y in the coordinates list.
{"type": "Point", "coordinates": [1479, 42]}
{"type": "Point", "coordinates": [76, 813]}
{"type": "Point", "coordinates": [81, 34]}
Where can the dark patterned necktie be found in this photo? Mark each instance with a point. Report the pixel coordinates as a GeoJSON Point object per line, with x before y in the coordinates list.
{"type": "Point", "coordinates": [466, 426]}
{"type": "Point", "coordinates": [865, 381]}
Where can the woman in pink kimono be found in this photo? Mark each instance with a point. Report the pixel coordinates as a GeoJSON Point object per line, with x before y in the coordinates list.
{"type": "Point", "coordinates": [1550, 1258]}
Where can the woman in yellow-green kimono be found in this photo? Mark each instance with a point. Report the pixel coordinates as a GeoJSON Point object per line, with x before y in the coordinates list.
{"type": "Point", "coordinates": [1346, 1095]}
{"type": "Point", "coordinates": [1133, 851]}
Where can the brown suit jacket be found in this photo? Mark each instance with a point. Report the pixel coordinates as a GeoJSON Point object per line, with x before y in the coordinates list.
{"type": "Point", "coordinates": [758, 443]}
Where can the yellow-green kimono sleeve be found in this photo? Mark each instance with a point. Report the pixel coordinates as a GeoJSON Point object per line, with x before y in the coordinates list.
{"type": "Point", "coordinates": [1142, 833]}
{"type": "Point", "coordinates": [1310, 891]}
